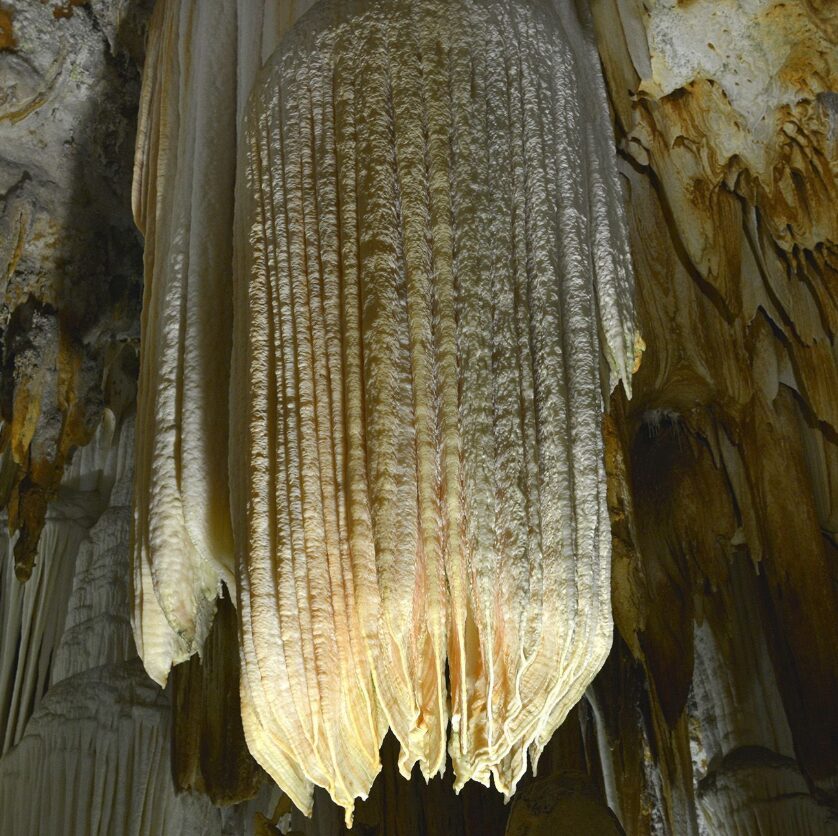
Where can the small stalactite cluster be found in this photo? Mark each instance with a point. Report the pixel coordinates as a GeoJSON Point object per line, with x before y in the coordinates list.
{"type": "Point", "coordinates": [46, 413]}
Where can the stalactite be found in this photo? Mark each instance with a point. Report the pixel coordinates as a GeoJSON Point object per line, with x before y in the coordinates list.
{"type": "Point", "coordinates": [182, 187]}
{"type": "Point", "coordinates": [209, 753]}
{"type": "Point", "coordinates": [183, 198]}
{"type": "Point", "coordinates": [443, 503]}
{"type": "Point", "coordinates": [434, 241]}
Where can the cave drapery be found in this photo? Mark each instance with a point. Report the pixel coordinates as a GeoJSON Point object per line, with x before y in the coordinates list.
{"type": "Point", "coordinates": [431, 242]}
{"type": "Point", "coordinates": [714, 711]}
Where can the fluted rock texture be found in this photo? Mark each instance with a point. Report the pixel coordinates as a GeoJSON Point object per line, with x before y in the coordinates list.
{"type": "Point", "coordinates": [185, 166]}
{"type": "Point", "coordinates": [98, 742]}
{"type": "Point", "coordinates": [430, 248]}
{"type": "Point", "coordinates": [434, 245]}
{"type": "Point", "coordinates": [200, 61]}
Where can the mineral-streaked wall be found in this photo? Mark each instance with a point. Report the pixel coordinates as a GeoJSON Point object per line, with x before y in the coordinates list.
{"type": "Point", "coordinates": [69, 255]}
{"type": "Point", "coordinates": [724, 469]}
{"type": "Point", "coordinates": [714, 711]}
{"type": "Point", "coordinates": [70, 279]}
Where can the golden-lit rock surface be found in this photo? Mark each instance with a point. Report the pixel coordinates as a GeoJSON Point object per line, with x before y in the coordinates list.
{"type": "Point", "coordinates": [434, 241]}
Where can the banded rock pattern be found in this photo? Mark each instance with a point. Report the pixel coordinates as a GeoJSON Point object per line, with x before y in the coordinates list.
{"type": "Point", "coordinates": [432, 245]}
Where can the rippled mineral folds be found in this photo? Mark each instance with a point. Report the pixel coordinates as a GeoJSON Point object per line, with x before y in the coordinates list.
{"type": "Point", "coordinates": [434, 244]}
{"type": "Point", "coordinates": [343, 438]}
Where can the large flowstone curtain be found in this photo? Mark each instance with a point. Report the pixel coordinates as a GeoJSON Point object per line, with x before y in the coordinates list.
{"type": "Point", "coordinates": [433, 248]}
{"type": "Point", "coordinates": [432, 294]}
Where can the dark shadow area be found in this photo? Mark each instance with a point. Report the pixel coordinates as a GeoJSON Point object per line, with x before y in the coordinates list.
{"type": "Point", "coordinates": [100, 286]}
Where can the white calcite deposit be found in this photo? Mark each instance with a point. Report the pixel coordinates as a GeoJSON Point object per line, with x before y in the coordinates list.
{"type": "Point", "coordinates": [429, 247]}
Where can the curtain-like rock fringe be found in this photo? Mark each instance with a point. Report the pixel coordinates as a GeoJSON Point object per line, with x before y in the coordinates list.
{"type": "Point", "coordinates": [431, 245]}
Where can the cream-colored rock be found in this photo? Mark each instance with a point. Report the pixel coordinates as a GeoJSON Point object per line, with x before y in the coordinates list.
{"type": "Point", "coordinates": [183, 183]}
{"type": "Point", "coordinates": [200, 63]}
{"type": "Point", "coordinates": [433, 240]}
{"type": "Point", "coordinates": [32, 615]}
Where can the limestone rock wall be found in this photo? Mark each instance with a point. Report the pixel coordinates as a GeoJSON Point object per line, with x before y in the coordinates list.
{"type": "Point", "coordinates": [723, 474]}
{"type": "Point", "coordinates": [69, 256]}
{"type": "Point", "coordinates": [715, 711]}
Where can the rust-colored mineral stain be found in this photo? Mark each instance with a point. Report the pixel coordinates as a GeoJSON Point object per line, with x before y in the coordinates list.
{"type": "Point", "coordinates": [65, 10]}
{"type": "Point", "coordinates": [7, 37]}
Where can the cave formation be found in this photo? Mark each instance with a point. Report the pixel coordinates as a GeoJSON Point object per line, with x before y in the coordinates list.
{"type": "Point", "coordinates": [398, 395]}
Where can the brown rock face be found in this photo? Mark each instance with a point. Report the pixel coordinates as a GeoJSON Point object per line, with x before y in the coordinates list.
{"type": "Point", "coordinates": [724, 502]}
